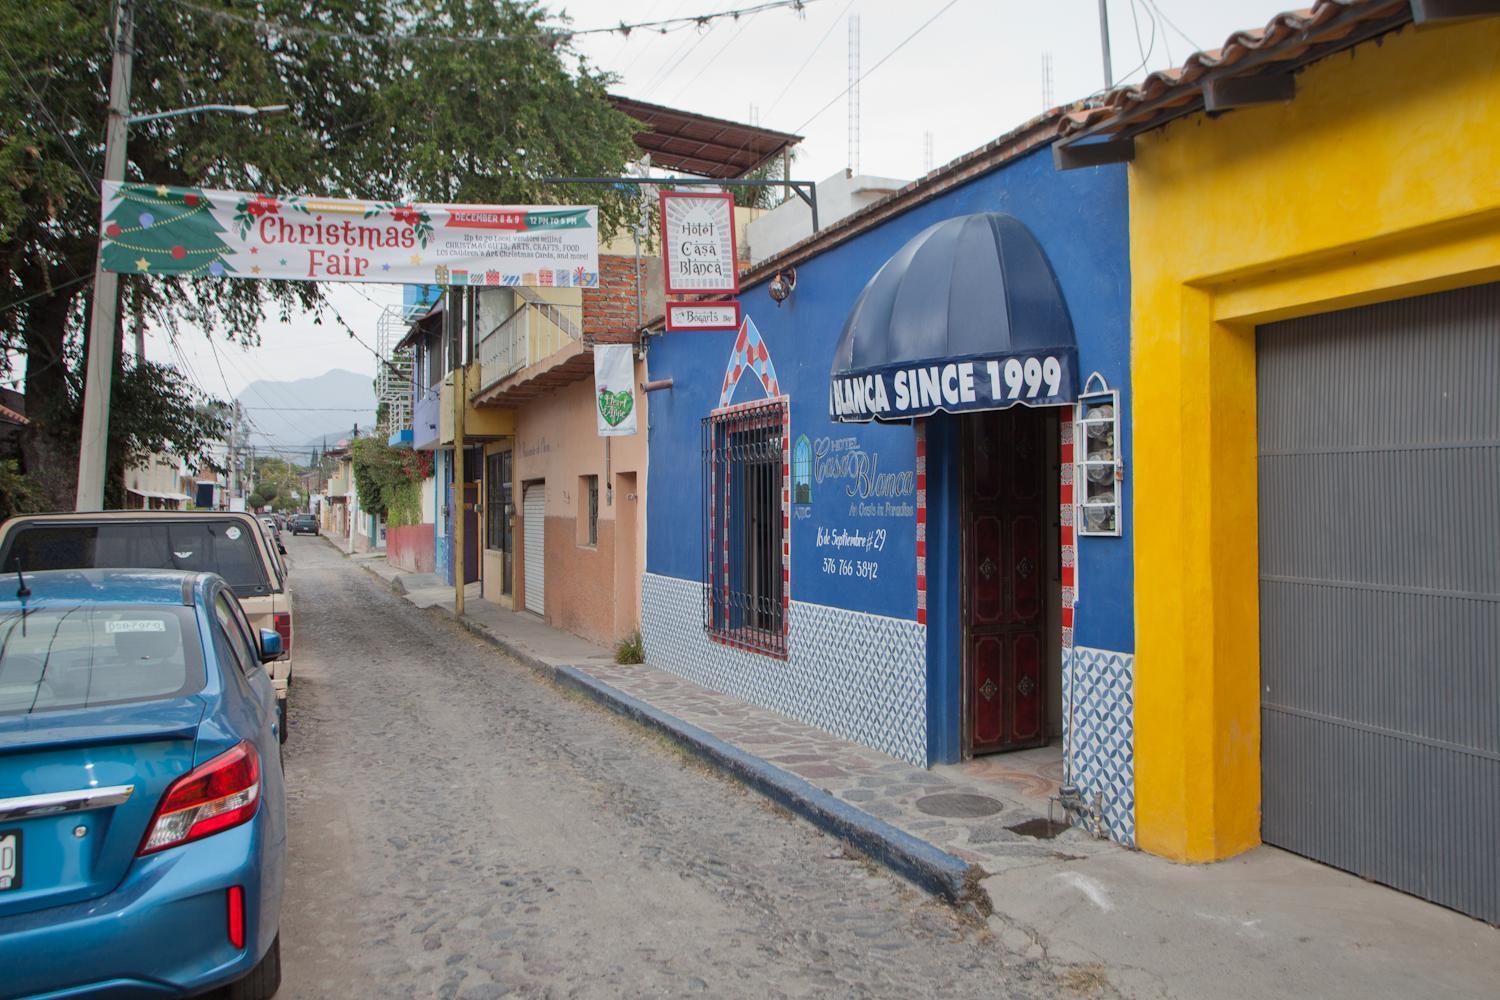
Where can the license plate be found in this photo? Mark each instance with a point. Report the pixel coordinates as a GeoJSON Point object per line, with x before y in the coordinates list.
{"type": "Point", "coordinates": [10, 859]}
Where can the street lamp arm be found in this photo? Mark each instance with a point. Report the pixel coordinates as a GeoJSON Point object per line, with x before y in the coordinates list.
{"type": "Point", "coordinates": [237, 109]}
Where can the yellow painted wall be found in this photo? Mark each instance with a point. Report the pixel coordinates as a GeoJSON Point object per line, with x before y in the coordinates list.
{"type": "Point", "coordinates": [1381, 180]}
{"type": "Point", "coordinates": [479, 421]}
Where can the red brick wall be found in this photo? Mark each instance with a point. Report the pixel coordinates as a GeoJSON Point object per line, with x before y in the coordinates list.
{"type": "Point", "coordinates": [609, 313]}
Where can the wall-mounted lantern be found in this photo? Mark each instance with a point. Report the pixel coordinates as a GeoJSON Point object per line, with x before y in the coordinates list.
{"type": "Point", "coordinates": [1101, 472]}
{"type": "Point", "coordinates": [783, 285]}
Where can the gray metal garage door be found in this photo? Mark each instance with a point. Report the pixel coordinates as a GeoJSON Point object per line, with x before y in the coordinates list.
{"type": "Point", "coordinates": [1380, 592]}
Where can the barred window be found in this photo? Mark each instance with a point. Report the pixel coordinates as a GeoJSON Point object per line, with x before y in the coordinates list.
{"type": "Point", "coordinates": [745, 527]}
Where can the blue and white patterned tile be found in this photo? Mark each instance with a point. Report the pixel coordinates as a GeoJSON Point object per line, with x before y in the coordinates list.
{"type": "Point", "coordinates": [1102, 738]}
{"type": "Point", "coordinates": [831, 678]}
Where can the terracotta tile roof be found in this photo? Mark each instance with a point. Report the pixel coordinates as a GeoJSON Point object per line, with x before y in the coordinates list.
{"type": "Point", "coordinates": [7, 414]}
{"type": "Point", "coordinates": [1288, 41]}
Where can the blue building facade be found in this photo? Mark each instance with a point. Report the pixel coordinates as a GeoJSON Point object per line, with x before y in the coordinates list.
{"type": "Point", "coordinates": [879, 631]}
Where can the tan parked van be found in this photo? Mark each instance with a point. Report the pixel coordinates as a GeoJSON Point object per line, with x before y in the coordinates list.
{"type": "Point", "coordinates": [234, 545]}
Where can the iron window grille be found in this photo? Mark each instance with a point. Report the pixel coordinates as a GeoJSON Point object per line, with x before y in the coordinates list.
{"type": "Point", "coordinates": [593, 510]}
{"type": "Point", "coordinates": [745, 552]}
{"type": "Point", "coordinates": [497, 490]}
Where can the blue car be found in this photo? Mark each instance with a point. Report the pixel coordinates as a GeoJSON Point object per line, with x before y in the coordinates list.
{"type": "Point", "coordinates": [142, 810]}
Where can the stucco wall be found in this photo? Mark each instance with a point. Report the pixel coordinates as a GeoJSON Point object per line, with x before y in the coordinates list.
{"type": "Point", "coordinates": [1080, 219]}
{"type": "Point", "coordinates": [411, 548]}
{"type": "Point", "coordinates": [557, 441]}
{"type": "Point", "coordinates": [1380, 180]}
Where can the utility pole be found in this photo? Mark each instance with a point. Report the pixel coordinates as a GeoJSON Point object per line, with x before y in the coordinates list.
{"type": "Point", "coordinates": [234, 451]}
{"type": "Point", "coordinates": [460, 508]}
{"type": "Point", "coordinates": [1109, 73]}
{"type": "Point", "coordinates": [92, 446]}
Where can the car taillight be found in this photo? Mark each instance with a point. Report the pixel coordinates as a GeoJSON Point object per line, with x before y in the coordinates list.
{"type": "Point", "coordinates": [222, 793]}
{"type": "Point", "coordinates": [284, 629]}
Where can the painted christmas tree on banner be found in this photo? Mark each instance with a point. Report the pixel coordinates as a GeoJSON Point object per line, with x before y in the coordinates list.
{"type": "Point", "coordinates": [163, 230]}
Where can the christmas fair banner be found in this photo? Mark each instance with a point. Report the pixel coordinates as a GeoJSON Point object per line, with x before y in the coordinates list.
{"type": "Point", "coordinates": [614, 388]}
{"type": "Point", "coordinates": [158, 229]}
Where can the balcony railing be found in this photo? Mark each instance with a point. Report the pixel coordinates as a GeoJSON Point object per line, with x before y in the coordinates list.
{"type": "Point", "coordinates": [535, 331]}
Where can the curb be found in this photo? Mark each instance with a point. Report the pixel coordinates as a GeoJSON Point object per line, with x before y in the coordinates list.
{"type": "Point", "coordinates": [925, 866]}
{"type": "Point", "coordinates": [915, 860]}
{"type": "Point", "coordinates": [928, 867]}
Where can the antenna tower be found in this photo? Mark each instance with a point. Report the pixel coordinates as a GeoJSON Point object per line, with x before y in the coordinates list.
{"type": "Point", "coordinates": [1046, 81]}
{"type": "Point", "coordinates": [853, 94]}
{"type": "Point", "coordinates": [926, 152]}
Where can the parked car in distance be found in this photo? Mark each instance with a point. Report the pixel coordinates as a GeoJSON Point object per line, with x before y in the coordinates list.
{"type": "Point", "coordinates": [142, 808]}
{"type": "Point", "coordinates": [304, 524]}
{"type": "Point", "coordinates": [229, 543]}
{"type": "Point", "coordinates": [275, 531]}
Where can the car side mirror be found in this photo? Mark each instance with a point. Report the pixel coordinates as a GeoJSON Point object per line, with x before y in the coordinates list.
{"type": "Point", "coordinates": [270, 645]}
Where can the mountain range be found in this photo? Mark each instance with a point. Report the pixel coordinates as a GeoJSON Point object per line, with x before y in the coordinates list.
{"type": "Point", "coordinates": [299, 415]}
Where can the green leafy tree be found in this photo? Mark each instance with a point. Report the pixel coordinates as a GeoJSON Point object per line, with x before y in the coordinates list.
{"type": "Point", "coordinates": [401, 125]}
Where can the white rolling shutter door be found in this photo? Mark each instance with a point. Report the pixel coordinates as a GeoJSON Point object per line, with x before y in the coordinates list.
{"type": "Point", "coordinates": [534, 524]}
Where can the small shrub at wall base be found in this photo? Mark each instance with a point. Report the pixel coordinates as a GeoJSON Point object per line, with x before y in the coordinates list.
{"type": "Point", "coordinates": [630, 649]}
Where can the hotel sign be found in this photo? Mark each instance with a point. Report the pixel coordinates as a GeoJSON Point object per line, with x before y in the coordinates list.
{"type": "Point", "coordinates": [698, 245]}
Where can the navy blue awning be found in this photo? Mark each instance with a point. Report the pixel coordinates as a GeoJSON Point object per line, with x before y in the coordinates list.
{"type": "Point", "coordinates": [966, 316]}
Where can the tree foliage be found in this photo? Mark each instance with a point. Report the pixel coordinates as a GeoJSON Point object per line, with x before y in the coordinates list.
{"type": "Point", "coordinates": [373, 116]}
{"type": "Point", "coordinates": [387, 480]}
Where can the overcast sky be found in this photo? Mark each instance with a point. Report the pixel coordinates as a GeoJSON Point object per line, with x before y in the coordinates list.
{"type": "Point", "coordinates": [971, 74]}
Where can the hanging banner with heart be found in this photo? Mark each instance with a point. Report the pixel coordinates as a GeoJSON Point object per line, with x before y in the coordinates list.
{"type": "Point", "coordinates": [614, 389]}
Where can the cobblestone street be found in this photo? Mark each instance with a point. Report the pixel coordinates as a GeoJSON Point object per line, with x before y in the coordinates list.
{"type": "Point", "coordinates": [460, 829]}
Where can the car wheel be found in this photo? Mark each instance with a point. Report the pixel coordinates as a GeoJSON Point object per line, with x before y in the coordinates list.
{"type": "Point", "coordinates": [264, 980]}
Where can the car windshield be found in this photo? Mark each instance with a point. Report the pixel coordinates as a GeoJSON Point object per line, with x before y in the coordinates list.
{"type": "Point", "coordinates": [89, 655]}
{"type": "Point", "coordinates": [223, 547]}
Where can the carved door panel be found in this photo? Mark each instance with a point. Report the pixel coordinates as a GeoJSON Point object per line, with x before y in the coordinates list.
{"type": "Point", "coordinates": [1005, 603]}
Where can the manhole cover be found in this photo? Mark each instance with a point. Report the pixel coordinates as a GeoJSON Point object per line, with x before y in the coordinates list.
{"type": "Point", "coordinates": [958, 805]}
{"type": "Point", "coordinates": [1041, 828]}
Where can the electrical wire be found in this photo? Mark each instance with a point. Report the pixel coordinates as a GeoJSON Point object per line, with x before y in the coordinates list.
{"type": "Point", "coordinates": [46, 112]}
{"type": "Point", "coordinates": [548, 35]}
{"type": "Point", "coordinates": [1156, 7]}
{"type": "Point", "coordinates": [899, 46]}
{"type": "Point", "coordinates": [673, 61]}
{"type": "Point", "coordinates": [712, 60]}
{"type": "Point", "coordinates": [1150, 48]}
{"type": "Point", "coordinates": [815, 49]}
{"type": "Point", "coordinates": [45, 292]}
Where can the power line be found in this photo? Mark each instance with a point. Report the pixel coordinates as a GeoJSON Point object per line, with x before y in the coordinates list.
{"type": "Point", "coordinates": [45, 292]}
{"type": "Point", "coordinates": [1154, 6]}
{"type": "Point", "coordinates": [899, 46]}
{"type": "Point", "coordinates": [318, 409]}
{"type": "Point", "coordinates": [809, 59]}
{"type": "Point", "coordinates": [548, 35]}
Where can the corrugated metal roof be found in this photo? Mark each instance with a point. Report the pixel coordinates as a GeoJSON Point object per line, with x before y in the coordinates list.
{"type": "Point", "coordinates": [700, 145]}
{"type": "Point", "coordinates": [1291, 39]}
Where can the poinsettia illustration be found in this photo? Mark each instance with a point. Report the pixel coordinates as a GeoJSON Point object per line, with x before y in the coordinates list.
{"type": "Point", "coordinates": [253, 207]}
{"type": "Point", "coordinates": [408, 215]}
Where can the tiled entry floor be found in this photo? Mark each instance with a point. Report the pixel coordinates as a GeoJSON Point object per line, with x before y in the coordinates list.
{"type": "Point", "coordinates": [879, 785]}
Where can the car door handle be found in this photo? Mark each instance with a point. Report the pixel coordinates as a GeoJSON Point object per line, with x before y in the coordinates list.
{"type": "Point", "coordinates": [58, 803]}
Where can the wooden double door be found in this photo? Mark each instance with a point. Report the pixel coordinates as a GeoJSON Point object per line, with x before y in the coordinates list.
{"type": "Point", "coordinates": [1006, 577]}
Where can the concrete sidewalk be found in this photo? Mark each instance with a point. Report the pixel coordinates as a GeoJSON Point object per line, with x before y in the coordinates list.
{"type": "Point", "coordinates": [1267, 923]}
